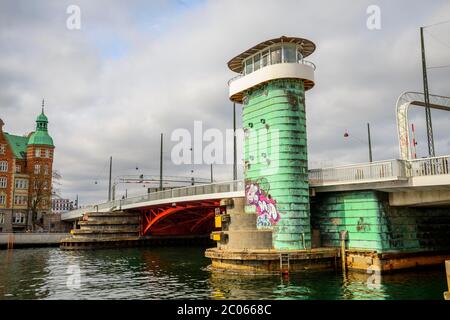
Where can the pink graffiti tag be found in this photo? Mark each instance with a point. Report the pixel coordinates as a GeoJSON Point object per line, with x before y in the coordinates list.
{"type": "Point", "coordinates": [268, 214]}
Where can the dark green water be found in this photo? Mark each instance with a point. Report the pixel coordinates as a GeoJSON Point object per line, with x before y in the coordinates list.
{"type": "Point", "coordinates": [182, 273]}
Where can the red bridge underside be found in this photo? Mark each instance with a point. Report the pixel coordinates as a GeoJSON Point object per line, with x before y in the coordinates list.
{"type": "Point", "coordinates": [179, 219]}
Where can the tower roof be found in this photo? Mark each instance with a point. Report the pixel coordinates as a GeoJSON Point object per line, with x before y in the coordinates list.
{"type": "Point", "coordinates": [42, 117]}
{"type": "Point", "coordinates": [41, 136]}
{"type": "Point", "coordinates": [307, 46]}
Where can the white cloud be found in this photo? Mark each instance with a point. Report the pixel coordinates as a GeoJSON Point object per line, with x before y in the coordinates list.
{"type": "Point", "coordinates": [140, 68]}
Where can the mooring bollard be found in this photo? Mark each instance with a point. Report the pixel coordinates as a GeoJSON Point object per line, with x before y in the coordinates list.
{"type": "Point", "coordinates": [447, 268]}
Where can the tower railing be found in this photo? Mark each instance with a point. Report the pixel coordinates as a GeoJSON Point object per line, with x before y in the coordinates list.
{"type": "Point", "coordinates": [305, 62]}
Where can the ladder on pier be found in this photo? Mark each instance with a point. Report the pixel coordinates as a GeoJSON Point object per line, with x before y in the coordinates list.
{"type": "Point", "coordinates": [284, 263]}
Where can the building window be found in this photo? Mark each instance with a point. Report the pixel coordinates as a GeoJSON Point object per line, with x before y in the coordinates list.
{"type": "Point", "coordinates": [21, 184]}
{"type": "Point", "coordinates": [37, 152]}
{"type": "Point", "coordinates": [265, 60]}
{"type": "Point", "coordinates": [2, 148]}
{"type": "Point", "coordinates": [284, 53]}
{"type": "Point", "coordinates": [275, 55]}
{"type": "Point", "coordinates": [289, 54]}
{"type": "Point", "coordinates": [249, 66]}
{"type": "Point", "coordinates": [37, 169]}
{"type": "Point", "coordinates": [257, 62]}
{"type": "Point", "coordinates": [2, 199]}
{"type": "Point", "coordinates": [299, 56]}
{"type": "Point", "coordinates": [2, 218]}
{"type": "Point", "coordinates": [3, 166]}
{"type": "Point", "coordinates": [45, 169]}
{"type": "Point", "coordinates": [18, 168]}
{"type": "Point", "coordinates": [20, 200]}
{"type": "Point", "coordinates": [3, 182]}
{"type": "Point", "coordinates": [19, 217]}
{"type": "Point", "coordinates": [47, 153]}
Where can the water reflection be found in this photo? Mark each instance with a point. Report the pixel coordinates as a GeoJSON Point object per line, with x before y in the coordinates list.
{"type": "Point", "coordinates": [23, 276]}
{"type": "Point", "coordinates": [179, 272]}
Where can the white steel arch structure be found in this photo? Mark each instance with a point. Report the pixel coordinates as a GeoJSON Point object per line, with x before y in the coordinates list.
{"type": "Point", "coordinates": [416, 99]}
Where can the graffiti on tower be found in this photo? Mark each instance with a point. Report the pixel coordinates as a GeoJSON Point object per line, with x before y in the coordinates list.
{"type": "Point", "coordinates": [266, 207]}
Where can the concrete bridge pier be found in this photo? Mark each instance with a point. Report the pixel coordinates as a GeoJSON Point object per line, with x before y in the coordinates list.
{"type": "Point", "coordinates": [242, 247]}
{"type": "Point", "coordinates": [239, 230]}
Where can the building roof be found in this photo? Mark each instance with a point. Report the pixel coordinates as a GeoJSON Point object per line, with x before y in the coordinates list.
{"type": "Point", "coordinates": [308, 47]}
{"type": "Point", "coordinates": [18, 145]}
{"type": "Point", "coordinates": [42, 117]}
{"type": "Point", "coordinates": [41, 136]}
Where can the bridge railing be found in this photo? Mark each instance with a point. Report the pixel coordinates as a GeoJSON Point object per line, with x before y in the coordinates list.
{"type": "Point", "coordinates": [429, 166]}
{"type": "Point", "coordinates": [196, 190]}
{"type": "Point", "coordinates": [214, 188]}
{"type": "Point", "coordinates": [366, 172]}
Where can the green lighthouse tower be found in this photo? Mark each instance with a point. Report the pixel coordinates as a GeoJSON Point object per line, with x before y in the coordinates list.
{"type": "Point", "coordinates": [271, 85]}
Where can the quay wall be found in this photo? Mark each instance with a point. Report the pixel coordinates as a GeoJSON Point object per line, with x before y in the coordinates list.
{"type": "Point", "coordinates": [31, 239]}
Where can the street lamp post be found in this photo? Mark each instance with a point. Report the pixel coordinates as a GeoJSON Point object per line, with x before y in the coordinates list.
{"type": "Point", "coordinates": [161, 165]}
{"type": "Point", "coordinates": [369, 140]}
{"type": "Point", "coordinates": [110, 175]}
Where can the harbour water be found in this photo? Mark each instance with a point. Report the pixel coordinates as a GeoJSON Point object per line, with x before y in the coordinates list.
{"type": "Point", "coordinates": [183, 273]}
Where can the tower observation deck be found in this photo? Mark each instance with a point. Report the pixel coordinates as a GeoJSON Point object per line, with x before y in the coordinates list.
{"type": "Point", "coordinates": [273, 77]}
{"type": "Point", "coordinates": [280, 58]}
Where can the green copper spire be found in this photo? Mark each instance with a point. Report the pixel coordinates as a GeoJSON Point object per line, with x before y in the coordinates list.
{"type": "Point", "coordinates": [41, 136]}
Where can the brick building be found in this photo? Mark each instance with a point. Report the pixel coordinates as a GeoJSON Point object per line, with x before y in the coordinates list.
{"type": "Point", "coordinates": [25, 178]}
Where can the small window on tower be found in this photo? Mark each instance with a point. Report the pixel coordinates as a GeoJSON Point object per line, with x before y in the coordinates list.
{"type": "Point", "coordinates": [47, 153]}
{"type": "Point", "coordinates": [37, 152]}
{"type": "Point", "coordinates": [275, 55]}
{"type": "Point", "coordinates": [18, 168]}
{"type": "Point", "coordinates": [2, 148]}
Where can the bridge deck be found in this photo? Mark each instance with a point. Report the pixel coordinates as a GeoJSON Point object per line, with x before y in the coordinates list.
{"type": "Point", "coordinates": [388, 176]}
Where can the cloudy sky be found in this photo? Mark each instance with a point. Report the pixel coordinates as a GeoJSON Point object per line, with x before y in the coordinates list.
{"type": "Point", "coordinates": [139, 68]}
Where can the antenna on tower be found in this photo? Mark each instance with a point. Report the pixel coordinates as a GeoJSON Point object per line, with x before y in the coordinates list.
{"type": "Point", "coordinates": [43, 104]}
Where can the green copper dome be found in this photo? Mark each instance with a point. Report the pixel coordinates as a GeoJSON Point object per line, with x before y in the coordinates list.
{"type": "Point", "coordinates": [41, 136]}
{"type": "Point", "coordinates": [42, 118]}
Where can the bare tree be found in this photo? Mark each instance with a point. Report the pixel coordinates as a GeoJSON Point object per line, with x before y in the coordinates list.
{"type": "Point", "coordinates": [40, 196]}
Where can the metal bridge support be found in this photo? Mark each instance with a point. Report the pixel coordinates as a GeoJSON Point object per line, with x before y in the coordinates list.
{"type": "Point", "coordinates": [403, 103]}
{"type": "Point", "coordinates": [192, 218]}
